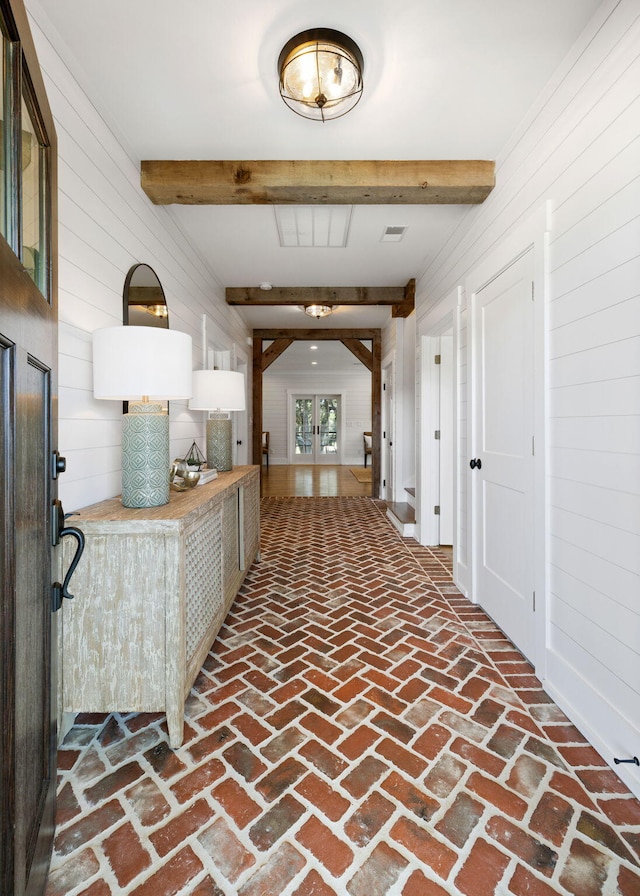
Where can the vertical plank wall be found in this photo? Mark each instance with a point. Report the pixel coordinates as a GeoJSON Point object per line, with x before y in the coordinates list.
{"type": "Point", "coordinates": [106, 225]}
{"type": "Point", "coordinates": [580, 148]}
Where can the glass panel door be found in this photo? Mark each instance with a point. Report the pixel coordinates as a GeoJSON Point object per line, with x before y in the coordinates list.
{"type": "Point", "coordinates": [328, 426]}
{"type": "Point", "coordinates": [317, 429]}
{"type": "Point", "coordinates": [305, 429]}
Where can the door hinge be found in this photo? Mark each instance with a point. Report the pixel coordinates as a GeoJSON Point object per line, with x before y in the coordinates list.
{"type": "Point", "coordinates": [384, 481]}
{"type": "Point", "coordinates": [384, 434]}
{"type": "Point", "coordinates": [534, 601]}
{"type": "Point", "coordinates": [436, 510]}
{"type": "Point", "coordinates": [384, 387]}
{"type": "Point", "coordinates": [437, 359]}
{"type": "Point", "coordinates": [533, 291]}
{"type": "Point", "coordinates": [533, 445]}
{"type": "Point", "coordinates": [436, 434]}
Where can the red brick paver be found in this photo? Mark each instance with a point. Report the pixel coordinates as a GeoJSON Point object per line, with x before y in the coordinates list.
{"type": "Point", "coordinates": [359, 728]}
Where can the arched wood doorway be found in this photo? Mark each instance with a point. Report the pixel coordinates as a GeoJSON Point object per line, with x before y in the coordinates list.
{"type": "Point", "coordinates": [280, 340]}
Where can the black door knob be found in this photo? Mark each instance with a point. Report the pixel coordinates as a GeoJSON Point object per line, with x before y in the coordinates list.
{"type": "Point", "coordinates": [475, 463]}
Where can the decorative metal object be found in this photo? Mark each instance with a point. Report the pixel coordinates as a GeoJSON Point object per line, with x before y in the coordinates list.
{"type": "Point", "coordinates": [195, 458]}
{"type": "Point", "coordinates": [321, 74]}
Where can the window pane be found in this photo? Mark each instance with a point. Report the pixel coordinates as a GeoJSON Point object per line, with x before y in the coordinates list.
{"type": "Point", "coordinates": [33, 247]}
{"type": "Point", "coordinates": [3, 147]}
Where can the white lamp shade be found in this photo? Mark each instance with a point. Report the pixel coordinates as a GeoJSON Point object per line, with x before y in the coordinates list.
{"type": "Point", "coordinates": [132, 362]}
{"type": "Point", "coordinates": [217, 390]}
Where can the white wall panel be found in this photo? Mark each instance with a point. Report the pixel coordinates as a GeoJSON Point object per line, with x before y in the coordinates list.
{"type": "Point", "coordinates": [107, 224]}
{"type": "Point", "coordinates": [579, 148]}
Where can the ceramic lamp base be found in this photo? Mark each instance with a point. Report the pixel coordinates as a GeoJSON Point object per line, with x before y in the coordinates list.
{"type": "Point", "coordinates": [145, 455]}
{"type": "Point", "coordinates": [219, 443]}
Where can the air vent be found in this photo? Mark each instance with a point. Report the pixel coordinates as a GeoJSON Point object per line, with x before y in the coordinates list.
{"type": "Point", "coordinates": [393, 233]}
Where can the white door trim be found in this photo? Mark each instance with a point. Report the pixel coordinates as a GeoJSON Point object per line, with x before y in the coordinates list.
{"type": "Point", "coordinates": [533, 236]}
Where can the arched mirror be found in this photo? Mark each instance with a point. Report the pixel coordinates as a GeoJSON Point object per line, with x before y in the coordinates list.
{"type": "Point", "coordinates": [144, 304]}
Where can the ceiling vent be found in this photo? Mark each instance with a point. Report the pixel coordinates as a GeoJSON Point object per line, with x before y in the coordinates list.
{"type": "Point", "coordinates": [393, 233]}
{"type": "Point", "coordinates": [313, 226]}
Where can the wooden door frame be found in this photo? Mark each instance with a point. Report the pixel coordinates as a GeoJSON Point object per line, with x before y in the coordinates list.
{"type": "Point", "coordinates": [352, 339]}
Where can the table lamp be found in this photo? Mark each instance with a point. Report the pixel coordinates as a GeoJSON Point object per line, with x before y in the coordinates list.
{"type": "Point", "coordinates": [143, 365]}
{"type": "Point", "coordinates": [219, 391]}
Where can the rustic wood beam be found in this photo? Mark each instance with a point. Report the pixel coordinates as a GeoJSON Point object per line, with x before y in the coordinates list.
{"type": "Point", "coordinates": [257, 402]}
{"type": "Point", "coordinates": [274, 351]}
{"type": "Point", "coordinates": [306, 182]}
{"type": "Point", "coordinates": [311, 334]}
{"type": "Point", "coordinates": [404, 308]}
{"type": "Point", "coordinates": [315, 295]}
{"type": "Point", "coordinates": [362, 353]}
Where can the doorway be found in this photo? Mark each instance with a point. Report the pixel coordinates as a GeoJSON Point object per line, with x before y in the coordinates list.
{"type": "Point", "coordinates": [315, 429]}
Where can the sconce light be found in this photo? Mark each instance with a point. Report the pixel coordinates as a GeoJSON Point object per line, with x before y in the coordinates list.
{"type": "Point", "coordinates": [219, 391]}
{"type": "Point", "coordinates": [143, 365]}
{"type": "Point", "coordinates": [321, 74]}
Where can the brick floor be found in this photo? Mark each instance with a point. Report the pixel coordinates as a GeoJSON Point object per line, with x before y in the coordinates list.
{"type": "Point", "coordinates": [360, 729]}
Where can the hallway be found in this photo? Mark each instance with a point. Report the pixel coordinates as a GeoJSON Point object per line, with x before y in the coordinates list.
{"type": "Point", "coordinates": [358, 728]}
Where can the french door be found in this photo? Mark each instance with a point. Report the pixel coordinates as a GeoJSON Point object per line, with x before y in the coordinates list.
{"type": "Point", "coordinates": [316, 429]}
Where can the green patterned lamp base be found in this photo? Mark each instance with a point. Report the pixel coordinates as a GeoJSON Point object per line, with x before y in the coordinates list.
{"type": "Point", "coordinates": [219, 443]}
{"type": "Point", "coordinates": [145, 456]}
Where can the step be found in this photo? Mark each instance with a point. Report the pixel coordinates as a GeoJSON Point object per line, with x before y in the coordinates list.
{"type": "Point", "coordinates": [403, 517]}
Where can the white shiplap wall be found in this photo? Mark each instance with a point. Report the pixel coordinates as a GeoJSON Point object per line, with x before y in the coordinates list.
{"type": "Point", "coordinates": [107, 224]}
{"type": "Point", "coordinates": [580, 149]}
{"type": "Point", "coordinates": [356, 410]}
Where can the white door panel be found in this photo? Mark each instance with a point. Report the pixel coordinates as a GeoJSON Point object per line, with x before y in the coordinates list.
{"type": "Point", "coordinates": [502, 487]}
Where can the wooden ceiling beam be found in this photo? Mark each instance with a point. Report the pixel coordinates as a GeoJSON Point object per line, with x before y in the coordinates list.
{"type": "Point", "coordinates": [311, 334]}
{"type": "Point", "coordinates": [274, 351]}
{"type": "Point", "coordinates": [362, 353]}
{"type": "Point", "coordinates": [307, 182]}
{"type": "Point", "coordinates": [406, 306]}
{"type": "Point", "coordinates": [315, 295]}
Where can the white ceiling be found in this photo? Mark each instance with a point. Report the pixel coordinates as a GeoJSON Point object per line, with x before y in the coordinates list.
{"type": "Point", "coordinates": [443, 79]}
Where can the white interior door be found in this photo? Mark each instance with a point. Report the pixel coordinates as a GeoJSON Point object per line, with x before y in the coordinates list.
{"type": "Point", "coordinates": [502, 469]}
{"type": "Point", "coordinates": [316, 430]}
{"type": "Point", "coordinates": [445, 442]}
{"type": "Point", "coordinates": [387, 469]}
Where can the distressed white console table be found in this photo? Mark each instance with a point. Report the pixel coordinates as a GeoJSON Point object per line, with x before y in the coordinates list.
{"type": "Point", "coordinates": [151, 592]}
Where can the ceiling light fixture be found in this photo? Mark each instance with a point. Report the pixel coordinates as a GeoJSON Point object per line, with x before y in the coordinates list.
{"type": "Point", "coordinates": [318, 311]}
{"type": "Point", "coordinates": [321, 74]}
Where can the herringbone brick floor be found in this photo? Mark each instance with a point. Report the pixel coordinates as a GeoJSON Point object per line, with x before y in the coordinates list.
{"type": "Point", "coordinates": [358, 728]}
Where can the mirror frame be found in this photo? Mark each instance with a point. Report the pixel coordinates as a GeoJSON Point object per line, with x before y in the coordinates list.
{"type": "Point", "coordinates": [126, 303]}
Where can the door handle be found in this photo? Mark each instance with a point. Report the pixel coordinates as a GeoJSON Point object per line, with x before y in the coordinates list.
{"type": "Point", "coordinates": [475, 463]}
{"type": "Point", "coordinates": [60, 531]}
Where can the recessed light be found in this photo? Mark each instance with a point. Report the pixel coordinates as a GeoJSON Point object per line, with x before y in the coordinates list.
{"type": "Point", "coordinates": [314, 362]}
{"type": "Point", "coordinates": [313, 348]}
{"type": "Point", "coordinates": [266, 286]}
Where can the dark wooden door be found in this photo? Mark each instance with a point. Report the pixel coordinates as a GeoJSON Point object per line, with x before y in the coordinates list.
{"type": "Point", "coordinates": [28, 385]}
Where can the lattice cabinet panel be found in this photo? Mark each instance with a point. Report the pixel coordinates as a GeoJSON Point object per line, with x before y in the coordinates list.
{"type": "Point", "coordinates": [204, 604]}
